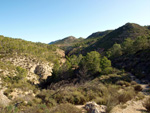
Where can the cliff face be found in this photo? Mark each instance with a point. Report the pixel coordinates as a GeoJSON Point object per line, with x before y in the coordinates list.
{"type": "Point", "coordinates": [32, 65]}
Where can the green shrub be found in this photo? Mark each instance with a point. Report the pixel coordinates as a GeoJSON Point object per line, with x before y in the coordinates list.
{"type": "Point", "coordinates": [22, 73]}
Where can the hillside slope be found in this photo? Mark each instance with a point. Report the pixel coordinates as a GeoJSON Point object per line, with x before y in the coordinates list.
{"type": "Point", "coordinates": [129, 30]}
{"type": "Point", "coordinates": [137, 63]}
{"type": "Point", "coordinates": [23, 65]}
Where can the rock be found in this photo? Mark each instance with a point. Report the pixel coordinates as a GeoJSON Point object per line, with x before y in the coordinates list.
{"type": "Point", "coordinates": [92, 107]}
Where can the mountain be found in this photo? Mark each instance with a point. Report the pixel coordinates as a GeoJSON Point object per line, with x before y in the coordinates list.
{"type": "Point", "coordinates": [53, 42]}
{"type": "Point", "coordinates": [99, 34]}
{"type": "Point", "coordinates": [67, 41]}
{"type": "Point", "coordinates": [129, 30]}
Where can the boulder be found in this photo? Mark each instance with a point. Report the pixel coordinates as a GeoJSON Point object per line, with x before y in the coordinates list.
{"type": "Point", "coordinates": [92, 107]}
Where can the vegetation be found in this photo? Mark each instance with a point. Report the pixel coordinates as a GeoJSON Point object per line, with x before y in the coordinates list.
{"type": "Point", "coordinates": [129, 46]}
{"type": "Point", "coordinates": [10, 45]}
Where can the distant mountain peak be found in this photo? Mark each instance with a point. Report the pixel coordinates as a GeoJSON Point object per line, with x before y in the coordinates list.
{"type": "Point", "coordinates": [67, 40]}
{"type": "Point", "coordinates": [71, 37]}
{"type": "Point", "coordinates": [132, 26]}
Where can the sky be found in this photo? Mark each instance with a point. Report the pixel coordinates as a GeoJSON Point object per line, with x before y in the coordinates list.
{"type": "Point", "coordinates": [49, 20]}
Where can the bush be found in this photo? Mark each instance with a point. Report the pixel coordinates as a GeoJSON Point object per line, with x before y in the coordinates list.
{"type": "Point", "coordinates": [138, 88]}
{"type": "Point", "coordinates": [125, 96]}
{"type": "Point", "coordinates": [140, 96]}
{"type": "Point", "coordinates": [100, 100]}
{"type": "Point", "coordinates": [40, 108]}
{"type": "Point", "coordinates": [9, 109]}
{"type": "Point", "coordinates": [65, 108]}
{"type": "Point", "coordinates": [123, 83]}
{"type": "Point", "coordinates": [107, 70]}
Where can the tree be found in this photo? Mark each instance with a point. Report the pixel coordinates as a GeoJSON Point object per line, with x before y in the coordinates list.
{"type": "Point", "coordinates": [115, 51]}
{"type": "Point", "coordinates": [92, 62]}
{"type": "Point", "coordinates": [141, 43]}
{"type": "Point", "coordinates": [105, 63]}
{"type": "Point", "coordinates": [75, 60]}
{"type": "Point", "coordinates": [127, 46]}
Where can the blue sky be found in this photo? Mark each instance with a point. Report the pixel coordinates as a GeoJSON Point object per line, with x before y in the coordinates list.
{"type": "Point", "coordinates": [50, 20]}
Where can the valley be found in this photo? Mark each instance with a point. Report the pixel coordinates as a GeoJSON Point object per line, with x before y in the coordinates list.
{"type": "Point", "coordinates": [107, 72]}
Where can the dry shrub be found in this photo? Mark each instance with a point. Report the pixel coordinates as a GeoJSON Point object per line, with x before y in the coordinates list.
{"type": "Point", "coordinates": [133, 83]}
{"type": "Point", "coordinates": [119, 97]}
{"type": "Point", "coordinates": [126, 95]}
{"type": "Point", "coordinates": [123, 83]}
{"type": "Point", "coordinates": [146, 104]}
{"type": "Point", "coordinates": [100, 100]}
{"type": "Point", "coordinates": [111, 103]}
{"type": "Point", "coordinates": [140, 96]}
{"type": "Point", "coordinates": [65, 108]}
{"type": "Point", "coordinates": [39, 108]}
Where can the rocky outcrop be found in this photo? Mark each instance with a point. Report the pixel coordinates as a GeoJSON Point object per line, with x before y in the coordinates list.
{"type": "Point", "coordinates": [34, 66]}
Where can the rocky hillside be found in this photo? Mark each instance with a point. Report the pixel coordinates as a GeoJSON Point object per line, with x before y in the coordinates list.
{"type": "Point", "coordinates": [137, 63]}
{"type": "Point", "coordinates": [23, 65]}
